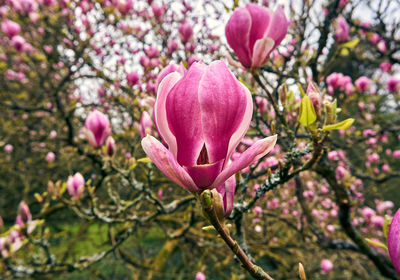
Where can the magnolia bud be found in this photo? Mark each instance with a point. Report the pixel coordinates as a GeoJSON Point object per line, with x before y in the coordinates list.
{"type": "Point", "coordinates": [110, 145]}
{"type": "Point", "coordinates": [283, 94]}
{"type": "Point", "coordinates": [218, 204]}
{"type": "Point", "coordinates": [330, 116]}
{"type": "Point", "coordinates": [1, 224]}
{"type": "Point", "coordinates": [24, 215]}
{"type": "Point", "coordinates": [75, 185]}
{"type": "Point", "coordinates": [315, 97]}
{"type": "Point", "coordinates": [302, 273]}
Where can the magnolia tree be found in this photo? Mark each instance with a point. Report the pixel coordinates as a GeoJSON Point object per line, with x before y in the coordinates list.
{"type": "Point", "coordinates": [137, 137]}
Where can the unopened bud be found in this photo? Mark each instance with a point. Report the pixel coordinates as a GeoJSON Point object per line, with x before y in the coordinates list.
{"type": "Point", "coordinates": [283, 94]}
{"type": "Point", "coordinates": [302, 273]}
{"type": "Point", "coordinates": [330, 114]}
{"type": "Point", "coordinates": [315, 97]}
{"type": "Point", "coordinates": [1, 224]}
{"type": "Point", "coordinates": [52, 189]}
{"type": "Point", "coordinates": [218, 205]}
{"type": "Point", "coordinates": [24, 215]}
{"type": "Point", "coordinates": [273, 127]}
{"type": "Point", "coordinates": [76, 185]}
{"type": "Point", "coordinates": [110, 146]}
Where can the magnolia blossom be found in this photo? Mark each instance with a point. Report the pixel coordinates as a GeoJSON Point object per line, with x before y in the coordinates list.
{"type": "Point", "coordinates": [394, 241]}
{"type": "Point", "coordinates": [8, 148]}
{"type": "Point", "coordinates": [185, 32]}
{"type": "Point", "coordinates": [342, 30]}
{"type": "Point", "coordinates": [132, 78]}
{"type": "Point", "coordinates": [50, 157]}
{"type": "Point", "coordinates": [202, 116]}
{"type": "Point", "coordinates": [10, 28]}
{"type": "Point", "coordinates": [254, 32]}
{"type": "Point", "coordinates": [97, 128]}
{"type": "Point", "coordinates": [76, 185]}
{"type": "Point", "coordinates": [326, 266]}
{"type": "Point", "coordinates": [362, 83]}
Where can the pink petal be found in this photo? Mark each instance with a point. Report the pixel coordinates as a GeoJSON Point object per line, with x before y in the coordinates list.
{"type": "Point", "coordinates": [278, 26]}
{"type": "Point", "coordinates": [226, 110]}
{"type": "Point", "coordinates": [227, 190]}
{"type": "Point", "coordinates": [260, 19]}
{"type": "Point", "coordinates": [255, 152]}
{"type": "Point", "coordinates": [237, 32]}
{"type": "Point", "coordinates": [262, 49]}
{"type": "Point", "coordinates": [204, 175]}
{"type": "Point", "coordinates": [160, 112]}
{"type": "Point", "coordinates": [394, 241]}
{"type": "Point", "coordinates": [166, 162]}
{"type": "Point", "coordinates": [184, 115]}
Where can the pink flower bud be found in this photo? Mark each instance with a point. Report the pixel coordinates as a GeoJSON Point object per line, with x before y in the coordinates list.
{"type": "Point", "coordinates": [132, 78]}
{"type": "Point", "coordinates": [146, 124]}
{"type": "Point", "coordinates": [314, 94]}
{"type": "Point", "coordinates": [110, 145]}
{"type": "Point", "coordinates": [342, 29]}
{"type": "Point", "coordinates": [367, 212]}
{"type": "Point", "coordinates": [18, 43]}
{"type": "Point", "coordinates": [386, 67]}
{"type": "Point", "coordinates": [392, 84]}
{"type": "Point", "coordinates": [10, 28]}
{"type": "Point", "coordinates": [254, 32]}
{"type": "Point", "coordinates": [200, 276]}
{"type": "Point", "coordinates": [50, 157]}
{"type": "Point", "coordinates": [326, 266]}
{"type": "Point", "coordinates": [185, 32]}
{"type": "Point", "coordinates": [53, 134]}
{"type": "Point", "coordinates": [396, 154]}
{"type": "Point", "coordinates": [76, 185]}
{"type": "Point", "coordinates": [97, 128]}
{"type": "Point", "coordinates": [8, 148]}
{"type": "Point", "coordinates": [24, 215]}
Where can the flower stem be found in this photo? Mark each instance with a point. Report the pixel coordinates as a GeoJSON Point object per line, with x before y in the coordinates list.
{"type": "Point", "coordinates": [208, 207]}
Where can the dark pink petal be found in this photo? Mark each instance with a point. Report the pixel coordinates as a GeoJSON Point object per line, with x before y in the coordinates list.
{"type": "Point", "coordinates": [237, 32]}
{"type": "Point", "coordinates": [226, 110]}
{"type": "Point", "coordinates": [204, 175]}
{"type": "Point", "coordinates": [278, 26]}
{"type": "Point", "coordinates": [184, 115]}
{"type": "Point", "coordinates": [166, 162]}
{"type": "Point", "coordinates": [394, 241]}
{"type": "Point", "coordinates": [255, 152]}
{"type": "Point", "coordinates": [160, 112]}
{"type": "Point", "coordinates": [227, 191]}
{"type": "Point", "coordinates": [260, 18]}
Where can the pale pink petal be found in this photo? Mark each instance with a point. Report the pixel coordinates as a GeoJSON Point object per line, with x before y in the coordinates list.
{"type": "Point", "coordinates": [255, 152]}
{"type": "Point", "coordinates": [184, 116]}
{"type": "Point", "coordinates": [237, 32]}
{"type": "Point", "coordinates": [166, 162]}
{"type": "Point", "coordinates": [90, 137]}
{"type": "Point", "coordinates": [160, 112]}
{"type": "Point", "coordinates": [262, 49]}
{"type": "Point", "coordinates": [225, 109]}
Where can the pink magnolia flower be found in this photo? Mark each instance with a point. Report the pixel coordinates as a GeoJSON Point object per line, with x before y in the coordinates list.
{"type": "Point", "coordinates": [394, 241]}
{"type": "Point", "coordinates": [10, 28]}
{"type": "Point", "coordinates": [362, 84]}
{"type": "Point", "coordinates": [386, 66]}
{"type": "Point", "coordinates": [18, 43]}
{"type": "Point", "coordinates": [254, 32]}
{"type": "Point", "coordinates": [185, 32]}
{"type": "Point", "coordinates": [342, 29]}
{"type": "Point", "coordinates": [76, 185]}
{"type": "Point", "coordinates": [97, 128]}
{"type": "Point", "coordinates": [392, 84]}
{"type": "Point", "coordinates": [132, 78]}
{"type": "Point", "coordinates": [202, 116]}
{"type": "Point", "coordinates": [326, 266]}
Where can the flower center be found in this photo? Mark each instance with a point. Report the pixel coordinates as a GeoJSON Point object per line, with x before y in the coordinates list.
{"type": "Point", "coordinates": [203, 157]}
